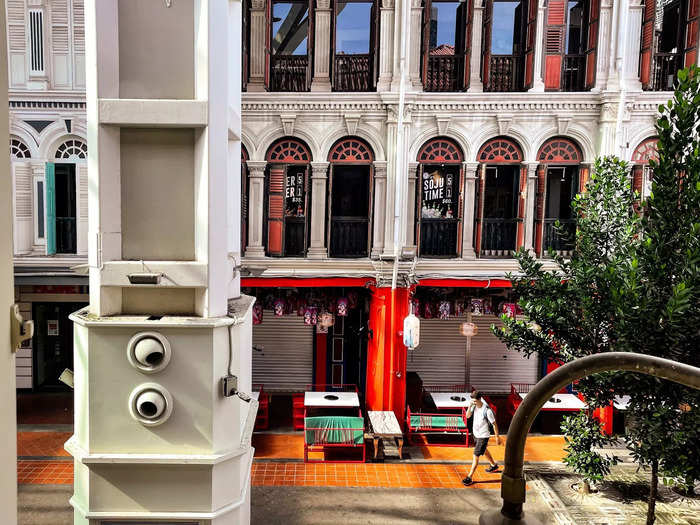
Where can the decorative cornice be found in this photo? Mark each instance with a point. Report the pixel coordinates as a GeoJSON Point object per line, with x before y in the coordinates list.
{"type": "Point", "coordinates": [46, 104]}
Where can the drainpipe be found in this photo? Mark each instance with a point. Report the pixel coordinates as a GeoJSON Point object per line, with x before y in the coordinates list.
{"type": "Point", "coordinates": [513, 479]}
{"type": "Point", "coordinates": [623, 15]}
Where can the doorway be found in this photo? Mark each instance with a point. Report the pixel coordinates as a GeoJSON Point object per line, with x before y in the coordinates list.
{"type": "Point", "coordinates": [500, 209]}
{"type": "Point", "coordinates": [350, 207]}
{"type": "Point", "coordinates": [347, 350]}
{"type": "Point", "coordinates": [65, 195]}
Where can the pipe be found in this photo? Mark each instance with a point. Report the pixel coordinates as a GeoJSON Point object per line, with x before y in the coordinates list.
{"type": "Point", "coordinates": [513, 480]}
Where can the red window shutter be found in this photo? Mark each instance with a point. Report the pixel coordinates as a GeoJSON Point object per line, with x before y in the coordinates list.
{"type": "Point", "coordinates": [530, 34]}
{"type": "Point", "coordinates": [426, 41]}
{"type": "Point", "coordinates": [522, 185]}
{"type": "Point", "coordinates": [419, 204]}
{"type": "Point", "coordinates": [486, 44]}
{"type": "Point", "coordinates": [637, 175]}
{"type": "Point", "coordinates": [592, 48]}
{"type": "Point", "coordinates": [539, 218]}
{"type": "Point", "coordinates": [691, 33]}
{"type": "Point", "coordinates": [647, 43]}
{"type": "Point", "coordinates": [275, 211]}
{"type": "Point", "coordinates": [554, 44]}
{"type": "Point", "coordinates": [469, 27]}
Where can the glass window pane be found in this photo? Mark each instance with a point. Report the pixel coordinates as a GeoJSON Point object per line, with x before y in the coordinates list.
{"type": "Point", "coordinates": [40, 209]}
{"type": "Point", "coordinates": [443, 24]}
{"type": "Point", "coordinates": [575, 38]}
{"type": "Point", "coordinates": [290, 28]}
{"type": "Point", "coordinates": [439, 192]}
{"type": "Point", "coordinates": [503, 27]}
{"type": "Point", "coordinates": [295, 191]}
{"type": "Point", "coordinates": [352, 28]}
{"type": "Point", "coordinates": [670, 28]}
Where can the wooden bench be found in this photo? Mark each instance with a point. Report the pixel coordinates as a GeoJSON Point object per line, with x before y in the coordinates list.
{"type": "Point", "coordinates": [384, 425]}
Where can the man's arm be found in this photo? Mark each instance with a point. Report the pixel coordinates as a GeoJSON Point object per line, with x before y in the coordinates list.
{"type": "Point", "coordinates": [495, 430]}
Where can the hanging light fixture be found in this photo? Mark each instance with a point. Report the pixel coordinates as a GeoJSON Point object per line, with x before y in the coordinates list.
{"type": "Point", "coordinates": [468, 329]}
{"type": "Point", "coordinates": [411, 331]}
{"type": "Point", "coordinates": [326, 320]}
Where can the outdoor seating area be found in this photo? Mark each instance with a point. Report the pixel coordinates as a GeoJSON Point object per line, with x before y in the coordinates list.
{"type": "Point", "coordinates": [552, 412]}
{"type": "Point", "coordinates": [449, 429]}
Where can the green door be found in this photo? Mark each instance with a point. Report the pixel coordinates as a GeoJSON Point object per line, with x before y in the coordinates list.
{"type": "Point", "coordinates": [50, 208]}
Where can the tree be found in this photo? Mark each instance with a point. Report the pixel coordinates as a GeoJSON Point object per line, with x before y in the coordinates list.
{"type": "Point", "coordinates": [632, 284]}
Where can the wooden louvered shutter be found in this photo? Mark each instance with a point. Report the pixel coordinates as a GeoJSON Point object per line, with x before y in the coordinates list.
{"type": "Point", "coordinates": [460, 210]}
{"type": "Point", "coordinates": [78, 44]}
{"type": "Point", "coordinates": [647, 51]}
{"type": "Point", "coordinates": [419, 205]}
{"type": "Point", "coordinates": [592, 43]}
{"type": "Point", "coordinates": [521, 187]}
{"type": "Point", "coordinates": [307, 211]}
{"type": "Point", "coordinates": [426, 41]}
{"type": "Point", "coordinates": [268, 42]}
{"type": "Point", "coordinates": [691, 33]}
{"type": "Point", "coordinates": [275, 210]}
{"type": "Point", "coordinates": [50, 176]}
{"type": "Point", "coordinates": [486, 44]}
{"type": "Point", "coordinates": [329, 208]}
{"type": "Point", "coordinates": [17, 42]}
{"type": "Point", "coordinates": [469, 27]}
{"type": "Point", "coordinates": [23, 218]}
{"type": "Point", "coordinates": [82, 208]}
{"type": "Point", "coordinates": [539, 206]}
{"type": "Point", "coordinates": [554, 44]}
{"type": "Point", "coordinates": [60, 47]}
{"type": "Point", "coordinates": [530, 35]}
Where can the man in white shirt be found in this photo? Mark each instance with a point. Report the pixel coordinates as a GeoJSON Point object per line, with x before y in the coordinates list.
{"type": "Point", "coordinates": [483, 416]}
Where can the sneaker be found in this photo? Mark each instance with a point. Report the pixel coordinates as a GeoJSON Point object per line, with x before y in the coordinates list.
{"type": "Point", "coordinates": [492, 468]}
{"type": "Point", "coordinates": [467, 481]}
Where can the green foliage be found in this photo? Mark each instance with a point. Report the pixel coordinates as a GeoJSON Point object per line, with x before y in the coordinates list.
{"type": "Point", "coordinates": [583, 434]}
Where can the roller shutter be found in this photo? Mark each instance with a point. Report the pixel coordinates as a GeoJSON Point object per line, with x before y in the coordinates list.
{"type": "Point", "coordinates": [492, 367]}
{"type": "Point", "coordinates": [440, 358]}
{"type": "Point", "coordinates": [286, 360]}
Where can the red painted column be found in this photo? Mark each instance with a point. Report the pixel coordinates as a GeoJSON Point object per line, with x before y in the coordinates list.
{"type": "Point", "coordinates": [374, 389]}
{"type": "Point", "coordinates": [398, 372]}
{"type": "Point", "coordinates": [320, 358]}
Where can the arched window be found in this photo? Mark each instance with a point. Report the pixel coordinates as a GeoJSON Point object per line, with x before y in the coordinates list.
{"type": "Point", "coordinates": [350, 198]}
{"type": "Point", "coordinates": [500, 206]}
{"type": "Point", "coordinates": [641, 171]}
{"type": "Point", "coordinates": [558, 181]}
{"type": "Point", "coordinates": [439, 202]}
{"type": "Point", "coordinates": [72, 149]}
{"type": "Point", "coordinates": [286, 211]}
{"type": "Point", "coordinates": [18, 149]}
{"type": "Point", "coordinates": [244, 199]}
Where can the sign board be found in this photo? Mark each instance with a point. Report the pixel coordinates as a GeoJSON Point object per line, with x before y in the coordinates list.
{"type": "Point", "coordinates": [437, 188]}
{"type": "Point", "coordinates": [52, 327]}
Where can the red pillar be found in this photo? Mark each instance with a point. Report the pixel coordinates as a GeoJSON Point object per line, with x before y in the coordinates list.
{"type": "Point", "coordinates": [320, 359]}
{"type": "Point", "coordinates": [374, 390]}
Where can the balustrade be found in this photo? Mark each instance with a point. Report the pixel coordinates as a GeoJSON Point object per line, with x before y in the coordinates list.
{"type": "Point", "coordinates": [574, 74]}
{"type": "Point", "coordinates": [560, 239]}
{"type": "Point", "coordinates": [352, 73]}
{"type": "Point", "coordinates": [438, 237]}
{"type": "Point", "coordinates": [504, 73]}
{"type": "Point", "coordinates": [665, 68]}
{"type": "Point", "coordinates": [289, 73]}
{"type": "Point", "coordinates": [445, 73]}
{"type": "Point", "coordinates": [498, 237]}
{"type": "Point", "coordinates": [349, 236]}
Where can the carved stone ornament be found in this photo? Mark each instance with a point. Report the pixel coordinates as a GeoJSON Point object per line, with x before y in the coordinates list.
{"type": "Point", "coordinates": [504, 122]}
{"type": "Point", "coordinates": [443, 124]}
{"type": "Point", "coordinates": [257, 5]}
{"type": "Point", "coordinates": [288, 121]}
{"type": "Point", "coordinates": [563, 124]}
{"type": "Point", "coordinates": [351, 122]}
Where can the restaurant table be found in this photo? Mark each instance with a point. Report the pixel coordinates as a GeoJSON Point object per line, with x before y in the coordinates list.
{"type": "Point", "coordinates": [331, 399]}
{"type": "Point", "coordinates": [451, 400]}
{"type": "Point", "coordinates": [562, 402]}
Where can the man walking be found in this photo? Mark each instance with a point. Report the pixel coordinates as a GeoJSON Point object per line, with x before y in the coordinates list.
{"type": "Point", "coordinates": [483, 419]}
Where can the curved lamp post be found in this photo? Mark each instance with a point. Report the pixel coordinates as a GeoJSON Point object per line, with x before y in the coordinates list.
{"type": "Point", "coordinates": [513, 479]}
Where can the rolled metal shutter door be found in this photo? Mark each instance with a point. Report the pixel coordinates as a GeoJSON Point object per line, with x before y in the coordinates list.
{"type": "Point", "coordinates": [286, 361]}
{"type": "Point", "coordinates": [492, 367]}
{"type": "Point", "coordinates": [440, 358]}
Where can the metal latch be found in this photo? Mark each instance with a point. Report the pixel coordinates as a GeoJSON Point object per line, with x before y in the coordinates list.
{"type": "Point", "coordinates": [20, 329]}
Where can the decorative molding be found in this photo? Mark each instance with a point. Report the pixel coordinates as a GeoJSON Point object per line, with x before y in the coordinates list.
{"type": "Point", "coordinates": [388, 4]}
{"type": "Point", "coordinates": [351, 122]}
{"type": "Point", "coordinates": [288, 121]}
{"type": "Point", "coordinates": [380, 167]}
{"type": "Point", "coordinates": [504, 122]}
{"type": "Point", "coordinates": [45, 104]}
{"type": "Point", "coordinates": [319, 170]}
{"type": "Point", "coordinates": [323, 4]}
{"type": "Point", "coordinates": [257, 5]}
{"type": "Point", "coordinates": [442, 123]}
{"type": "Point", "coordinates": [563, 124]}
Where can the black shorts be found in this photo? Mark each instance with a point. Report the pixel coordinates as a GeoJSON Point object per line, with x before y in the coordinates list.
{"type": "Point", "coordinates": [480, 446]}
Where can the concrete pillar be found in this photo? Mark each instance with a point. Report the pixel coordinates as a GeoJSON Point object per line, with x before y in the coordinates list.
{"type": "Point", "coordinates": [476, 84]}
{"type": "Point", "coordinates": [322, 46]}
{"type": "Point", "coordinates": [411, 204]}
{"type": "Point", "coordinates": [258, 43]}
{"type": "Point", "coordinates": [605, 27]}
{"type": "Point", "coordinates": [633, 34]}
{"type": "Point", "coordinates": [256, 205]}
{"type": "Point", "coordinates": [386, 55]}
{"type": "Point", "coordinates": [415, 39]}
{"type": "Point", "coordinates": [530, 201]}
{"type": "Point", "coordinates": [380, 211]}
{"type": "Point", "coordinates": [608, 127]}
{"type": "Point", "coordinates": [319, 180]}
{"type": "Point", "coordinates": [392, 156]}
{"type": "Point", "coordinates": [537, 80]}
{"type": "Point", "coordinates": [470, 176]}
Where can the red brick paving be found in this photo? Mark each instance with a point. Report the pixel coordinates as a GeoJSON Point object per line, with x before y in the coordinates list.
{"type": "Point", "coordinates": [42, 443]}
{"type": "Point", "coordinates": [45, 472]}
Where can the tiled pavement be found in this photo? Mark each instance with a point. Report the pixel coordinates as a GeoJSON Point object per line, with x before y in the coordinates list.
{"type": "Point", "coordinates": [42, 444]}
{"type": "Point", "coordinates": [42, 472]}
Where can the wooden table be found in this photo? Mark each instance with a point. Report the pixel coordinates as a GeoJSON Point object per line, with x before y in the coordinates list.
{"type": "Point", "coordinates": [385, 426]}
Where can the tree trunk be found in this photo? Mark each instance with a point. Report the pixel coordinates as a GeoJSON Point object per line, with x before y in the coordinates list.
{"type": "Point", "coordinates": [653, 491]}
{"type": "Point", "coordinates": [585, 487]}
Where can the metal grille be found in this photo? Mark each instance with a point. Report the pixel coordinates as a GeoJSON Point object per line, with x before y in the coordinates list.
{"type": "Point", "coordinates": [441, 356]}
{"type": "Point", "coordinates": [36, 41]}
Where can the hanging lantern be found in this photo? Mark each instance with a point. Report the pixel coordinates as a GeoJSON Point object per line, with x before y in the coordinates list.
{"type": "Point", "coordinates": [321, 329]}
{"type": "Point", "coordinates": [279, 307]}
{"type": "Point", "coordinates": [326, 320]}
{"type": "Point", "coordinates": [341, 306]}
{"type": "Point", "coordinates": [411, 331]}
{"type": "Point", "coordinates": [257, 313]}
{"type": "Point", "coordinates": [477, 306]}
{"type": "Point", "coordinates": [311, 315]}
{"type": "Point", "coordinates": [468, 329]}
{"type": "Point", "coordinates": [444, 310]}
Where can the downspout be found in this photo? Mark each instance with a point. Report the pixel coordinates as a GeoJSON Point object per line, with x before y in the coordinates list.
{"type": "Point", "coordinates": [623, 15]}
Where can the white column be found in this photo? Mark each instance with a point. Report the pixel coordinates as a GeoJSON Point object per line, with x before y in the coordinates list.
{"type": "Point", "coordinates": [386, 55]}
{"type": "Point", "coordinates": [634, 35]}
{"type": "Point", "coordinates": [319, 178]}
{"type": "Point", "coordinates": [604, 37]}
{"type": "Point", "coordinates": [537, 69]}
{"type": "Point", "coordinates": [529, 241]}
{"type": "Point", "coordinates": [392, 156]}
{"type": "Point", "coordinates": [256, 195]}
{"type": "Point", "coordinates": [415, 39]}
{"type": "Point", "coordinates": [411, 204]}
{"type": "Point", "coordinates": [476, 85]}
{"type": "Point", "coordinates": [322, 46]}
{"type": "Point", "coordinates": [380, 215]}
{"type": "Point", "coordinates": [258, 28]}
{"type": "Point", "coordinates": [608, 127]}
{"type": "Point", "coordinates": [470, 176]}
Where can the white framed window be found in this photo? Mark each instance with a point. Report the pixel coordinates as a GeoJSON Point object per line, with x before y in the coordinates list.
{"type": "Point", "coordinates": [36, 42]}
{"type": "Point", "coordinates": [72, 150]}
{"type": "Point", "coordinates": [18, 149]}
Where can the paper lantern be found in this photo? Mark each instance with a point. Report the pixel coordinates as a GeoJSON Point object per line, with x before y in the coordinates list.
{"type": "Point", "coordinates": [477, 306]}
{"type": "Point", "coordinates": [279, 307]}
{"type": "Point", "coordinates": [257, 313]}
{"type": "Point", "coordinates": [341, 307]}
{"type": "Point", "coordinates": [411, 331]}
{"type": "Point", "coordinates": [444, 310]}
{"type": "Point", "coordinates": [326, 320]}
{"type": "Point", "coordinates": [468, 329]}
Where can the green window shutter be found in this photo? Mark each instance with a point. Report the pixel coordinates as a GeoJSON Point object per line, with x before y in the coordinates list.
{"type": "Point", "coordinates": [50, 176]}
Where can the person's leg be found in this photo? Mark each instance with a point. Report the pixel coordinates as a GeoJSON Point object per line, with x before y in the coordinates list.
{"type": "Point", "coordinates": [475, 463]}
{"type": "Point", "coordinates": [489, 457]}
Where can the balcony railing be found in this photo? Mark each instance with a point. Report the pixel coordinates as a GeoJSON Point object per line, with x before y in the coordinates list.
{"type": "Point", "coordinates": [561, 239]}
{"type": "Point", "coordinates": [504, 73]}
{"type": "Point", "coordinates": [445, 73]}
{"type": "Point", "coordinates": [574, 74]}
{"type": "Point", "coordinates": [666, 66]}
{"type": "Point", "coordinates": [66, 235]}
{"type": "Point", "coordinates": [288, 72]}
{"type": "Point", "coordinates": [498, 237]}
{"type": "Point", "coordinates": [349, 236]}
{"type": "Point", "coordinates": [352, 73]}
{"type": "Point", "coordinates": [438, 237]}
{"type": "Point", "coordinates": [294, 232]}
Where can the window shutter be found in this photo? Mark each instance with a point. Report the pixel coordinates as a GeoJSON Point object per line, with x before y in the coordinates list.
{"type": "Point", "coordinates": [419, 204]}
{"type": "Point", "coordinates": [60, 44]}
{"type": "Point", "coordinates": [426, 40]}
{"type": "Point", "coordinates": [521, 187]}
{"type": "Point", "coordinates": [50, 177]}
{"type": "Point", "coordinates": [691, 33]}
{"type": "Point", "coordinates": [78, 20]}
{"type": "Point", "coordinates": [82, 211]}
{"type": "Point", "coordinates": [539, 206]}
{"type": "Point", "coordinates": [647, 50]}
{"type": "Point", "coordinates": [554, 44]}
{"type": "Point", "coordinates": [17, 41]}
{"type": "Point", "coordinates": [460, 211]}
{"type": "Point", "coordinates": [275, 210]}
{"type": "Point", "coordinates": [468, 28]}
{"type": "Point", "coordinates": [530, 34]}
{"type": "Point", "coordinates": [480, 188]}
{"type": "Point", "coordinates": [592, 44]}
{"type": "Point", "coordinates": [268, 41]}
{"type": "Point", "coordinates": [23, 219]}
{"type": "Point", "coordinates": [486, 45]}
